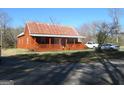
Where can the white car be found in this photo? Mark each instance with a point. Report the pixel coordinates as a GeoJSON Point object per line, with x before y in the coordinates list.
{"type": "Point", "coordinates": [91, 45]}
{"type": "Point", "coordinates": [109, 47]}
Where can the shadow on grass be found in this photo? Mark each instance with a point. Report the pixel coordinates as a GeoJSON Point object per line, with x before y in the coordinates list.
{"type": "Point", "coordinates": [116, 55]}
{"type": "Point", "coordinates": [55, 68]}
{"type": "Point", "coordinates": [59, 58]}
{"type": "Point", "coordinates": [106, 72]}
{"type": "Point", "coordinates": [116, 75]}
{"type": "Point", "coordinates": [40, 69]}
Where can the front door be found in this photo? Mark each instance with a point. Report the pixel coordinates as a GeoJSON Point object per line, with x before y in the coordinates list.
{"type": "Point", "coordinates": [63, 42]}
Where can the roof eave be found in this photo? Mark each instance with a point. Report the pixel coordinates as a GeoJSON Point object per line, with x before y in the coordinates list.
{"type": "Point", "coordinates": [21, 34]}
{"type": "Point", "coordinates": [45, 35]}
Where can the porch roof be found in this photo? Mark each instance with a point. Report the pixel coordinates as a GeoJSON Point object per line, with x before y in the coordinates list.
{"type": "Point", "coordinates": [67, 36]}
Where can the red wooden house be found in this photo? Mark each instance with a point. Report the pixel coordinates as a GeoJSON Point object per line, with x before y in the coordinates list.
{"type": "Point", "coordinates": [49, 37]}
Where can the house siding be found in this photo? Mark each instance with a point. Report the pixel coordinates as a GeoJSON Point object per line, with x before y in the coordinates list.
{"type": "Point", "coordinates": [29, 42]}
{"type": "Point", "coordinates": [26, 41]}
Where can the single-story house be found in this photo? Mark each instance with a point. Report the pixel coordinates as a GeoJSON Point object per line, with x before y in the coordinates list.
{"type": "Point", "coordinates": [49, 37]}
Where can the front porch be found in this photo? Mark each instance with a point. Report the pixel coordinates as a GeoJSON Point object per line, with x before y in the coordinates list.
{"type": "Point", "coordinates": [53, 44]}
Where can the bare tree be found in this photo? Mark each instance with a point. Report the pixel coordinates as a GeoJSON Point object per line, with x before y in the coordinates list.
{"type": "Point", "coordinates": [15, 32]}
{"type": "Point", "coordinates": [115, 14]}
{"type": "Point", "coordinates": [54, 20]}
{"type": "Point", "coordinates": [103, 33]}
{"type": "Point", "coordinates": [4, 22]}
{"type": "Point", "coordinates": [89, 31]}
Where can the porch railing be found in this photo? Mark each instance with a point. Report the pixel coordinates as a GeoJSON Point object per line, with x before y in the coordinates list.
{"type": "Point", "coordinates": [59, 47]}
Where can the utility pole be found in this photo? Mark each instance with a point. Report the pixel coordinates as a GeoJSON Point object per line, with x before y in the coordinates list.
{"type": "Point", "coordinates": [116, 31]}
{"type": "Point", "coordinates": [117, 37]}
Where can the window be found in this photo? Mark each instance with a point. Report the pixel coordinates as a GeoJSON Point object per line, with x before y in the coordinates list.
{"type": "Point", "coordinates": [76, 40]}
{"type": "Point", "coordinates": [54, 40]}
{"type": "Point", "coordinates": [42, 40]}
{"type": "Point", "coordinates": [70, 40]}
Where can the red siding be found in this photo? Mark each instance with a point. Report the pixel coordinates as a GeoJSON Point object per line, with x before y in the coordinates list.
{"type": "Point", "coordinates": [26, 41]}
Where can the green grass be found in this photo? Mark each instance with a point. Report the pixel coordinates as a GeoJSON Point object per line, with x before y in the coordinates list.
{"type": "Point", "coordinates": [121, 48]}
{"type": "Point", "coordinates": [87, 55]}
{"type": "Point", "coordinates": [51, 56]}
{"type": "Point", "coordinates": [15, 51]}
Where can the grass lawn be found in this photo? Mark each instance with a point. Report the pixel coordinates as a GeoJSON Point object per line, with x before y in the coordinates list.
{"type": "Point", "coordinates": [54, 56]}
{"type": "Point", "coordinates": [15, 51]}
{"type": "Point", "coordinates": [87, 55]}
{"type": "Point", "coordinates": [121, 48]}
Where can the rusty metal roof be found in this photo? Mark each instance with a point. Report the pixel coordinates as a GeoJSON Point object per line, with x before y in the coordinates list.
{"type": "Point", "coordinates": [51, 29]}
